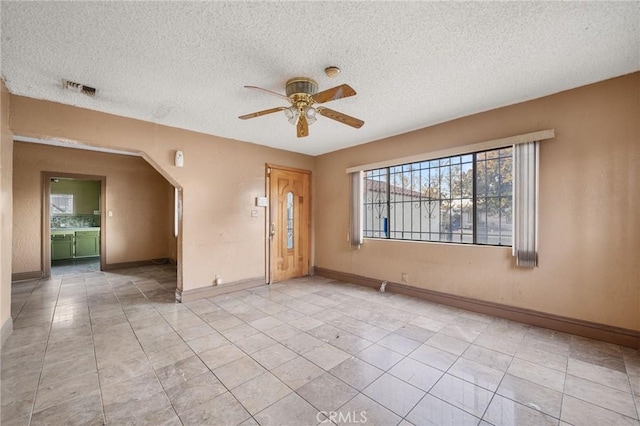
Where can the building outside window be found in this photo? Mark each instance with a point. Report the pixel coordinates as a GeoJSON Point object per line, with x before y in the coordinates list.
{"type": "Point", "coordinates": [460, 199]}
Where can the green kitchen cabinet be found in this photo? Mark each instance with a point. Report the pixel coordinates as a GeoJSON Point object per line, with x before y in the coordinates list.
{"type": "Point", "coordinates": [87, 243]}
{"type": "Point", "coordinates": [61, 246]}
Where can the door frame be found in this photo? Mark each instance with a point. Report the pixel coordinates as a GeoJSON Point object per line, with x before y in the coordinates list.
{"type": "Point", "coordinates": [46, 211]}
{"type": "Point", "coordinates": [271, 214]}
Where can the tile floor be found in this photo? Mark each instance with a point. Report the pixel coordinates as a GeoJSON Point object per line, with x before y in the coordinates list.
{"type": "Point", "coordinates": [93, 347]}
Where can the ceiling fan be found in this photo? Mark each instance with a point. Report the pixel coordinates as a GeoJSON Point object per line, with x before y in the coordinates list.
{"type": "Point", "coordinates": [302, 94]}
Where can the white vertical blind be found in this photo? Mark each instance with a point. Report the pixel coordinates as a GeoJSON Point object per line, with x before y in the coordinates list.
{"type": "Point", "coordinates": [355, 225]}
{"type": "Point", "coordinates": [525, 204]}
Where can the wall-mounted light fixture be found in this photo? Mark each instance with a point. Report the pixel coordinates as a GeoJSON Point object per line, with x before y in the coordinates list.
{"type": "Point", "coordinates": [179, 160]}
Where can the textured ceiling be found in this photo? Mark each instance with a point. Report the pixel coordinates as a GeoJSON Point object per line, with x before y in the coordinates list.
{"type": "Point", "coordinates": [413, 64]}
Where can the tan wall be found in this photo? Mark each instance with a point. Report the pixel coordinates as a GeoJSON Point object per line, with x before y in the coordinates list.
{"type": "Point", "coordinates": [140, 227]}
{"type": "Point", "coordinates": [6, 176]}
{"type": "Point", "coordinates": [220, 180]}
{"type": "Point", "coordinates": [589, 244]}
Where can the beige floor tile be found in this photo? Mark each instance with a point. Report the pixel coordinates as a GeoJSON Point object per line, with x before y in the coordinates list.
{"type": "Point", "coordinates": [273, 356]}
{"type": "Point", "coordinates": [505, 412]}
{"type": "Point", "coordinates": [603, 375]}
{"type": "Point", "coordinates": [475, 373]}
{"type": "Point", "coordinates": [462, 394]}
{"type": "Point", "coordinates": [57, 392]}
{"type": "Point", "coordinates": [225, 323]}
{"type": "Point", "coordinates": [169, 355]}
{"type": "Point", "coordinates": [16, 406]}
{"type": "Point", "coordinates": [599, 353]}
{"type": "Point", "coordinates": [82, 410]}
{"type": "Point", "coordinates": [221, 355]}
{"type": "Point", "coordinates": [380, 357]}
{"type": "Point", "coordinates": [291, 410]}
{"type": "Point", "coordinates": [306, 323]}
{"type": "Point", "coordinates": [297, 372]}
{"type": "Point", "coordinates": [357, 373]}
{"type": "Point", "coordinates": [394, 394]}
{"type": "Point", "coordinates": [428, 324]}
{"type": "Point", "coordinates": [327, 393]}
{"type": "Point", "coordinates": [414, 332]}
{"type": "Point", "coordinates": [434, 357]}
{"type": "Point", "coordinates": [363, 410]}
{"type": "Point", "coordinates": [72, 367]}
{"type": "Point", "coordinates": [153, 331]}
{"type": "Point", "coordinates": [603, 396]}
{"type": "Point", "coordinates": [131, 389]}
{"type": "Point", "coordinates": [531, 395]}
{"type": "Point", "coordinates": [397, 343]}
{"type": "Point", "coordinates": [19, 384]}
{"type": "Point", "coordinates": [149, 409]}
{"type": "Point", "coordinates": [195, 332]}
{"type": "Point", "coordinates": [416, 373]}
{"type": "Point", "coordinates": [254, 343]}
{"type": "Point", "coordinates": [222, 410]}
{"type": "Point", "coordinates": [435, 412]}
{"type": "Point", "coordinates": [282, 333]}
{"type": "Point", "coordinates": [581, 413]}
{"type": "Point", "coordinates": [266, 323]}
{"type": "Point", "coordinates": [239, 371]}
{"type": "Point", "coordinates": [239, 332]}
{"type": "Point", "coordinates": [539, 356]}
{"type": "Point", "coordinates": [465, 333]}
{"type": "Point", "coordinates": [448, 344]}
{"type": "Point", "coordinates": [181, 371]}
{"type": "Point", "coordinates": [260, 392]}
{"type": "Point", "coordinates": [194, 392]}
{"type": "Point", "coordinates": [488, 357]}
{"type": "Point", "coordinates": [544, 376]}
{"type": "Point", "coordinates": [326, 356]}
{"type": "Point", "coordinates": [89, 317]}
{"type": "Point", "coordinates": [302, 343]}
{"type": "Point", "coordinates": [114, 371]}
{"type": "Point", "coordinates": [502, 344]}
{"type": "Point", "coordinates": [208, 342]}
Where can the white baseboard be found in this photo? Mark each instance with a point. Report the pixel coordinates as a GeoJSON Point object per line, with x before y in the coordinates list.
{"type": "Point", "coordinates": [6, 330]}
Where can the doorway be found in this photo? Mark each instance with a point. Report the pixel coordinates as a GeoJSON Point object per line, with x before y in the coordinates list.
{"type": "Point", "coordinates": [289, 222]}
{"type": "Point", "coordinates": [73, 225]}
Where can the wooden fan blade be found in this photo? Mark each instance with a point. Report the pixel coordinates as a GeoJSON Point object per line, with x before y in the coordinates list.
{"type": "Point", "coordinates": [268, 91]}
{"type": "Point", "coordinates": [338, 92]}
{"type": "Point", "coordinates": [342, 118]}
{"type": "Point", "coordinates": [259, 113]}
{"type": "Point", "coordinates": [302, 126]}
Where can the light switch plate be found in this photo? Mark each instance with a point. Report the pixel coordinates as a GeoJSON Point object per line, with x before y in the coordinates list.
{"type": "Point", "coordinates": [261, 202]}
{"type": "Point", "coordinates": [254, 213]}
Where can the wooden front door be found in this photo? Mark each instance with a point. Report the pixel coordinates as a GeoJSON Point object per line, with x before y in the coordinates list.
{"type": "Point", "coordinates": [290, 201]}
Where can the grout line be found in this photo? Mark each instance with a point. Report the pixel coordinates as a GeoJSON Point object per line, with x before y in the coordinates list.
{"type": "Point", "coordinates": [140, 343]}
{"type": "Point", "coordinates": [44, 355]}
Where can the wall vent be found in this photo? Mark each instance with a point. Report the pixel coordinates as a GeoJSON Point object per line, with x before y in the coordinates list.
{"type": "Point", "coordinates": [77, 87]}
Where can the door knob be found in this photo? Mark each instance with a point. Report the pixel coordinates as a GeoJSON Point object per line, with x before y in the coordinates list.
{"type": "Point", "coordinates": [273, 229]}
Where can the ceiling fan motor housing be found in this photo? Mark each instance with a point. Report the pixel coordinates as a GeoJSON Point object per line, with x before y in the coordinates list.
{"type": "Point", "coordinates": [301, 86]}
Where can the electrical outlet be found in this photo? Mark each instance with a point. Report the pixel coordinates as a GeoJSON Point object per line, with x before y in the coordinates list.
{"type": "Point", "coordinates": [405, 277]}
{"type": "Point", "coordinates": [254, 213]}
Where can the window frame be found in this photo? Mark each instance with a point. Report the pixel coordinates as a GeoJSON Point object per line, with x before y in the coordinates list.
{"type": "Point", "coordinates": [389, 222]}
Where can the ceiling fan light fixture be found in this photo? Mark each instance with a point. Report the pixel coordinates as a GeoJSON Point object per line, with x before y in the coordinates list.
{"type": "Point", "coordinates": [292, 114]}
{"type": "Point", "coordinates": [310, 114]}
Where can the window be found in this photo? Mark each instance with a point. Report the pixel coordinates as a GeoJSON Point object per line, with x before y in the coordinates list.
{"type": "Point", "coordinates": [461, 199]}
{"type": "Point", "coordinates": [61, 204]}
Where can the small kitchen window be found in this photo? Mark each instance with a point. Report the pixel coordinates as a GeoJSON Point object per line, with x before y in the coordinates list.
{"type": "Point", "coordinates": [61, 204]}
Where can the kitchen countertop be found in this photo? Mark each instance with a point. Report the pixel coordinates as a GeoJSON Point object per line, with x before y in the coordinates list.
{"type": "Point", "coordinates": [95, 228]}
